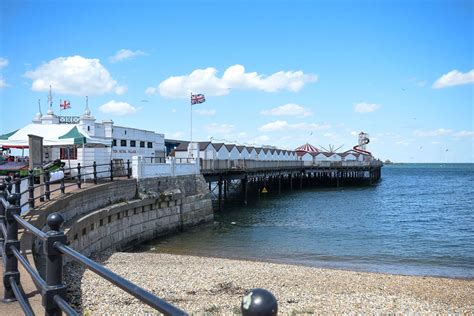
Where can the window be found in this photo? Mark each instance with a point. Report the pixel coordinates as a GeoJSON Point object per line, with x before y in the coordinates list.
{"type": "Point", "coordinates": [68, 153]}
{"type": "Point", "coordinates": [132, 143]}
{"type": "Point", "coordinates": [114, 142]}
{"type": "Point", "coordinates": [150, 145]}
{"type": "Point", "coordinates": [88, 128]}
{"type": "Point", "coordinates": [123, 143]}
{"type": "Point", "coordinates": [142, 144]}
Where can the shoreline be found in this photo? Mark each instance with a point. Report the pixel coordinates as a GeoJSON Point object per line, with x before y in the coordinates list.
{"type": "Point", "coordinates": [216, 285]}
{"type": "Point", "coordinates": [300, 264]}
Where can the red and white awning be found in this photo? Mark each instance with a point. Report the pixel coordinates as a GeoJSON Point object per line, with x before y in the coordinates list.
{"type": "Point", "coordinates": [307, 148]}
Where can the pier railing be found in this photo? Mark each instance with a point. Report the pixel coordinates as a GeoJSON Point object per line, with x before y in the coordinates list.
{"type": "Point", "coordinates": [42, 185]}
{"type": "Point", "coordinates": [55, 246]}
{"type": "Point", "coordinates": [251, 164]}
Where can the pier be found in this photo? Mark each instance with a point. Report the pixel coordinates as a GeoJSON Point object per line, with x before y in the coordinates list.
{"type": "Point", "coordinates": [253, 177]}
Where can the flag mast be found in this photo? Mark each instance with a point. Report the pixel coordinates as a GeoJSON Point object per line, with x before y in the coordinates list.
{"type": "Point", "coordinates": [191, 114]}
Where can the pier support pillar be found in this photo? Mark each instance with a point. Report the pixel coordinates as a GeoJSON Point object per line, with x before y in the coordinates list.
{"type": "Point", "coordinates": [301, 180]}
{"type": "Point", "coordinates": [244, 190]}
{"type": "Point", "coordinates": [279, 184]}
{"type": "Point", "coordinates": [226, 189]}
{"type": "Point", "coordinates": [290, 176]}
{"type": "Point", "coordinates": [219, 197]}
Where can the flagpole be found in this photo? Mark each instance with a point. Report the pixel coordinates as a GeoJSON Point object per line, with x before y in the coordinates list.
{"type": "Point", "coordinates": [191, 105]}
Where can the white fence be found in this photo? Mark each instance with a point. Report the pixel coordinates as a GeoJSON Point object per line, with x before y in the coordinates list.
{"type": "Point", "coordinates": [249, 164]}
{"type": "Point", "coordinates": [143, 168]}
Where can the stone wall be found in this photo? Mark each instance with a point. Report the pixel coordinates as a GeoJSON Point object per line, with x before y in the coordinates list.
{"type": "Point", "coordinates": [130, 223]}
{"type": "Point", "coordinates": [125, 213]}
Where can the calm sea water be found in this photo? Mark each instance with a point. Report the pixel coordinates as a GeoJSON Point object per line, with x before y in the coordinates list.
{"type": "Point", "coordinates": [419, 220]}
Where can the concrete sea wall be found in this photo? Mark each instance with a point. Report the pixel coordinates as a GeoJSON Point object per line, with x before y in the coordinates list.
{"type": "Point", "coordinates": [126, 213]}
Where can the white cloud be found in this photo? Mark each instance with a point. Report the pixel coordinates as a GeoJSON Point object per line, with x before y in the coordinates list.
{"type": "Point", "coordinates": [124, 54]}
{"type": "Point", "coordinates": [454, 78]}
{"type": "Point", "coordinates": [216, 128]}
{"type": "Point", "coordinates": [151, 90]}
{"type": "Point", "coordinates": [207, 82]}
{"type": "Point", "coordinates": [289, 109]}
{"type": "Point", "coordinates": [117, 108]}
{"type": "Point", "coordinates": [206, 112]}
{"type": "Point", "coordinates": [3, 62]}
{"type": "Point", "coordinates": [284, 125]}
{"type": "Point", "coordinates": [437, 132]}
{"type": "Point", "coordinates": [405, 142]}
{"type": "Point", "coordinates": [364, 107]}
{"type": "Point", "coordinates": [464, 134]}
{"type": "Point", "coordinates": [74, 75]}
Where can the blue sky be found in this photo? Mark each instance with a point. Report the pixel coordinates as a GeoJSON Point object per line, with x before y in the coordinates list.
{"type": "Point", "coordinates": [274, 72]}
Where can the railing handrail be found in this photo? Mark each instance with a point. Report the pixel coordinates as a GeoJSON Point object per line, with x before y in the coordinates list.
{"type": "Point", "coordinates": [52, 289]}
{"type": "Point", "coordinates": [138, 292]}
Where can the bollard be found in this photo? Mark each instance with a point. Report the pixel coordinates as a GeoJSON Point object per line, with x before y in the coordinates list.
{"type": "Point", "coordinates": [259, 302]}
{"type": "Point", "coordinates": [79, 175]}
{"type": "Point", "coordinates": [47, 191]}
{"type": "Point", "coordinates": [62, 186]}
{"type": "Point", "coordinates": [11, 240]}
{"type": "Point", "coordinates": [31, 188]}
{"type": "Point", "coordinates": [54, 265]}
{"type": "Point", "coordinates": [94, 167]}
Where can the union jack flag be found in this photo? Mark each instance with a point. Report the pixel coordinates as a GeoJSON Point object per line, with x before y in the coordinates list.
{"type": "Point", "coordinates": [197, 98]}
{"type": "Point", "coordinates": [64, 105]}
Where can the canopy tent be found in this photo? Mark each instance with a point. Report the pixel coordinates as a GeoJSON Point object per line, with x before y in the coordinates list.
{"type": "Point", "coordinates": [53, 135]}
{"type": "Point", "coordinates": [307, 148]}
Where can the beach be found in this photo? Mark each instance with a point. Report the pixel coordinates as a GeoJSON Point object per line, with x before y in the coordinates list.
{"type": "Point", "coordinates": [213, 285]}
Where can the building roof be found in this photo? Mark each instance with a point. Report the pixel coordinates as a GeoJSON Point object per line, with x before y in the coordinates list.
{"type": "Point", "coordinates": [307, 148]}
{"type": "Point", "coordinates": [203, 145]}
{"type": "Point", "coordinates": [240, 148]}
{"type": "Point", "coordinates": [182, 147]}
{"type": "Point", "coordinates": [217, 146]}
{"type": "Point", "coordinates": [229, 146]}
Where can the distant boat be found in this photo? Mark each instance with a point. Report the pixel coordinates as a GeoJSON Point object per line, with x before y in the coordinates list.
{"type": "Point", "coordinates": [387, 162]}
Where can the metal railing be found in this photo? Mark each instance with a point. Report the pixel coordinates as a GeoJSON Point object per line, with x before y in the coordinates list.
{"type": "Point", "coordinates": [66, 178]}
{"type": "Point", "coordinates": [55, 246]}
{"type": "Point", "coordinates": [251, 164]}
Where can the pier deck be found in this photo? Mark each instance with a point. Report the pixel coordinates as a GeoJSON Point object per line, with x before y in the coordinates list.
{"type": "Point", "coordinates": [255, 175]}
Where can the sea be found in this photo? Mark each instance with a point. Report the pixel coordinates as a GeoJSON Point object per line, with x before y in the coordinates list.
{"type": "Point", "coordinates": [418, 220]}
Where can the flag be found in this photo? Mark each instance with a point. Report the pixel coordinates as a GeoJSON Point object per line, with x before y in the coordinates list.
{"type": "Point", "coordinates": [197, 98]}
{"type": "Point", "coordinates": [64, 105]}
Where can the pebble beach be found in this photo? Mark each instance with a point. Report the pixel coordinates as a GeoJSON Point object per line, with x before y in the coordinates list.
{"type": "Point", "coordinates": [201, 285]}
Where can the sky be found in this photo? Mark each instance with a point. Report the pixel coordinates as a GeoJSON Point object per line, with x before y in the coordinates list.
{"type": "Point", "coordinates": [279, 73]}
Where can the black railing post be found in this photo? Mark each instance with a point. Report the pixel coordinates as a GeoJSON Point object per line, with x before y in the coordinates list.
{"type": "Point", "coordinates": [79, 175]}
{"type": "Point", "coordinates": [11, 240]}
{"type": "Point", "coordinates": [129, 173]}
{"type": "Point", "coordinates": [31, 188]}
{"type": "Point", "coordinates": [47, 190]}
{"type": "Point", "coordinates": [94, 166]}
{"type": "Point", "coordinates": [3, 194]}
{"type": "Point", "coordinates": [9, 184]}
{"type": "Point", "coordinates": [62, 185]}
{"type": "Point", "coordinates": [54, 265]}
{"type": "Point", "coordinates": [17, 181]}
{"type": "Point", "coordinates": [111, 170]}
